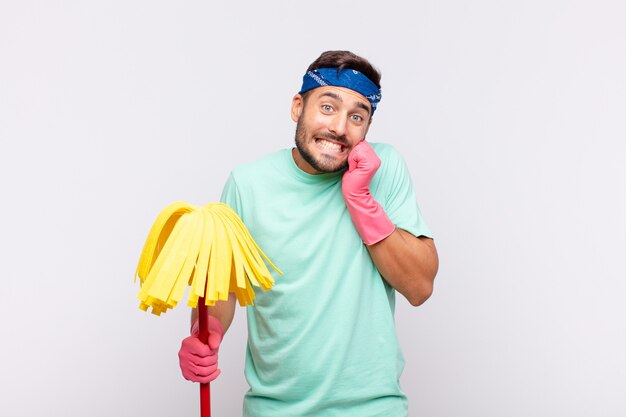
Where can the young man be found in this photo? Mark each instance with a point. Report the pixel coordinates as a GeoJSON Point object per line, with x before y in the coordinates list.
{"type": "Point", "coordinates": [339, 216]}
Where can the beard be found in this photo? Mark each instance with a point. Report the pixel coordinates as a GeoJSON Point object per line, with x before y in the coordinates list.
{"type": "Point", "coordinates": [323, 163]}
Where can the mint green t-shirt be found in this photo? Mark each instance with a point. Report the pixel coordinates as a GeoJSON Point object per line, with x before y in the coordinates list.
{"type": "Point", "coordinates": [322, 341]}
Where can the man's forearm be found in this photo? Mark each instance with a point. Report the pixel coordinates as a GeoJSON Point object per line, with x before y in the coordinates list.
{"type": "Point", "coordinates": [224, 311]}
{"type": "Point", "coordinates": [409, 264]}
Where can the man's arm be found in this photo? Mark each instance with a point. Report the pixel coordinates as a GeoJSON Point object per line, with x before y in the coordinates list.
{"type": "Point", "coordinates": [224, 311]}
{"type": "Point", "coordinates": [409, 264]}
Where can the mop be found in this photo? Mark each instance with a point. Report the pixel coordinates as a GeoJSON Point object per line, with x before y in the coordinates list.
{"type": "Point", "coordinates": [207, 248]}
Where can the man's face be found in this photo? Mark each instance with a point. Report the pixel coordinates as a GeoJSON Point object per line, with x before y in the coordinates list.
{"type": "Point", "coordinates": [329, 125]}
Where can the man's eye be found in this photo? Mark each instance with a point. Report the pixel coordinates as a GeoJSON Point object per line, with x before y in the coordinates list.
{"type": "Point", "coordinates": [357, 118]}
{"type": "Point", "coordinates": [327, 107]}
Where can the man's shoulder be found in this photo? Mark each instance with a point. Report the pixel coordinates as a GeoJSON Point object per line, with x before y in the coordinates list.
{"type": "Point", "coordinates": [267, 163]}
{"type": "Point", "coordinates": [386, 151]}
{"type": "Point", "coordinates": [393, 167]}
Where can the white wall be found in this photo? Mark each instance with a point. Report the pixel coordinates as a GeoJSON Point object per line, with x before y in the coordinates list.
{"type": "Point", "coordinates": [510, 115]}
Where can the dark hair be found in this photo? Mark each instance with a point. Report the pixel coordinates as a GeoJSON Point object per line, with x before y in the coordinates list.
{"type": "Point", "coordinates": [346, 60]}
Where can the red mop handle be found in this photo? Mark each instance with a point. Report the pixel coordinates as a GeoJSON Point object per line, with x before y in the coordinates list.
{"type": "Point", "coordinates": [205, 389]}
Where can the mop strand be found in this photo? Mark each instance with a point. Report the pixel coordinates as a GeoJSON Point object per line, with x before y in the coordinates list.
{"type": "Point", "coordinates": [206, 247]}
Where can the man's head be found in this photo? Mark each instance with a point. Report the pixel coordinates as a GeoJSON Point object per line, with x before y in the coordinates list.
{"type": "Point", "coordinates": [333, 110]}
{"type": "Point", "coordinates": [343, 60]}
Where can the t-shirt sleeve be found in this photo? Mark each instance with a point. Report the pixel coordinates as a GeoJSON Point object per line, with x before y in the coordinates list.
{"type": "Point", "coordinates": [231, 196]}
{"type": "Point", "coordinates": [396, 194]}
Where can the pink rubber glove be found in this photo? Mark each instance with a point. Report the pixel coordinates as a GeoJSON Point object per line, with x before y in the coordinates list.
{"type": "Point", "coordinates": [198, 361]}
{"type": "Point", "coordinates": [368, 216]}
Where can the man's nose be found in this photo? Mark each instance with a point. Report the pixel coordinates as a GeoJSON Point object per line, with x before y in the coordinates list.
{"type": "Point", "coordinates": [338, 125]}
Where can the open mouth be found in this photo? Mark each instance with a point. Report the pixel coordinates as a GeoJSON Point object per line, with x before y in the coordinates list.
{"type": "Point", "coordinates": [328, 145]}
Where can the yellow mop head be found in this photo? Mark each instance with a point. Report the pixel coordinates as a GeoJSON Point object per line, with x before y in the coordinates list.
{"type": "Point", "coordinates": [205, 247]}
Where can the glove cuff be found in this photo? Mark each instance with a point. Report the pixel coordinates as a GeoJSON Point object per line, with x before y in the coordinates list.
{"type": "Point", "coordinates": [195, 327]}
{"type": "Point", "coordinates": [215, 326]}
{"type": "Point", "coordinates": [369, 218]}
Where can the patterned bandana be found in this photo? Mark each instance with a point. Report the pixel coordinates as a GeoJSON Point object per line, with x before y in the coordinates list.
{"type": "Point", "coordinates": [348, 78]}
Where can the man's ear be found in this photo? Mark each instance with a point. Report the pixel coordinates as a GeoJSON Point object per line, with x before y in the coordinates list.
{"type": "Point", "coordinates": [297, 104]}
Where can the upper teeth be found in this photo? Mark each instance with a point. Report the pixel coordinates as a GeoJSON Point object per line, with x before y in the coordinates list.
{"type": "Point", "coordinates": [329, 145]}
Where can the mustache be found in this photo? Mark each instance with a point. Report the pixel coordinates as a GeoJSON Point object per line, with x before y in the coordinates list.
{"type": "Point", "coordinates": [341, 139]}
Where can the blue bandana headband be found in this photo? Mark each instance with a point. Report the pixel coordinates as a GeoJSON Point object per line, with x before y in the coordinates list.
{"type": "Point", "coordinates": [348, 78]}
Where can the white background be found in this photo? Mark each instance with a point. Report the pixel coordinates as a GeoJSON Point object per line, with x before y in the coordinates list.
{"type": "Point", "coordinates": [510, 115]}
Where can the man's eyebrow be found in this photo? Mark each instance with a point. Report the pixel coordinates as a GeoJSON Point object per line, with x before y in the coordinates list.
{"type": "Point", "coordinates": [363, 106]}
{"type": "Point", "coordinates": [338, 98]}
{"type": "Point", "coordinates": [333, 95]}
